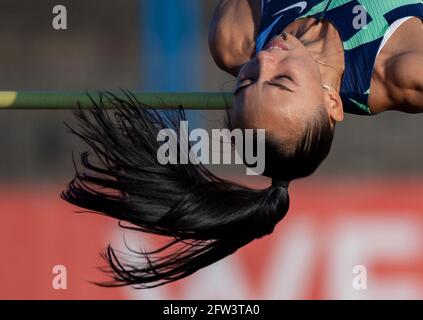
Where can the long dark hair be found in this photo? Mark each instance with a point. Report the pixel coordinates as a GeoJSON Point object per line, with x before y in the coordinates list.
{"type": "Point", "coordinates": [207, 218]}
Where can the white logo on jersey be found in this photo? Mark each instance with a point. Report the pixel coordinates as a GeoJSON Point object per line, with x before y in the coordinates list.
{"type": "Point", "coordinates": [302, 5]}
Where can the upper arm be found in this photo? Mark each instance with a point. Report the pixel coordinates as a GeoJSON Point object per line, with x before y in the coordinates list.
{"type": "Point", "coordinates": [408, 74]}
{"type": "Point", "coordinates": [232, 33]}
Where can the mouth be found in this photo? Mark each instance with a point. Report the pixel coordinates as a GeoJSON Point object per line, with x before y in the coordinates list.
{"type": "Point", "coordinates": [278, 42]}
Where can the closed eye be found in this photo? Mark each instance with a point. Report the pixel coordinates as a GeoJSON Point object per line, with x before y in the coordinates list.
{"type": "Point", "coordinates": [281, 77]}
{"type": "Point", "coordinates": [274, 82]}
{"type": "Point", "coordinates": [280, 86]}
{"type": "Point", "coordinates": [277, 83]}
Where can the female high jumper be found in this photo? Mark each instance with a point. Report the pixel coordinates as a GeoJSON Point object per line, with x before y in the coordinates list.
{"type": "Point", "coordinates": [299, 66]}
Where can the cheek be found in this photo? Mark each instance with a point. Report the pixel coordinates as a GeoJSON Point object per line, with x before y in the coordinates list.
{"type": "Point", "coordinates": [309, 77]}
{"type": "Point", "coordinates": [306, 66]}
{"type": "Point", "coordinates": [311, 73]}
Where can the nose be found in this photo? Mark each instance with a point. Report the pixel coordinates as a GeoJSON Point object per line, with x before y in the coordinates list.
{"type": "Point", "coordinates": [266, 62]}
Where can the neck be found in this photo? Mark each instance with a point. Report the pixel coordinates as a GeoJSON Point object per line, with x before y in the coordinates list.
{"type": "Point", "coordinates": [324, 43]}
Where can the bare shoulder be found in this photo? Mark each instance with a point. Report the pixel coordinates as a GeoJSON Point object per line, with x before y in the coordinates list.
{"type": "Point", "coordinates": [233, 30]}
{"type": "Point", "coordinates": [407, 68]}
{"type": "Point", "coordinates": [402, 70]}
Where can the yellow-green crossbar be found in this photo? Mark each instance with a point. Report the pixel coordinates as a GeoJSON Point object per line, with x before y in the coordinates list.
{"type": "Point", "coordinates": [31, 100]}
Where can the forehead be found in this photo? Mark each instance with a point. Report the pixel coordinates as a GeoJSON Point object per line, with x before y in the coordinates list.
{"type": "Point", "coordinates": [265, 112]}
{"type": "Point", "coordinates": [271, 105]}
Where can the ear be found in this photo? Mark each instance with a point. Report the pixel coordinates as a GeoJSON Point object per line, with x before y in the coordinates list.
{"type": "Point", "coordinates": [334, 106]}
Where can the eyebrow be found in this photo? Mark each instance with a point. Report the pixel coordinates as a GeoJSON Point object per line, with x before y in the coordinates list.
{"type": "Point", "coordinates": [271, 83]}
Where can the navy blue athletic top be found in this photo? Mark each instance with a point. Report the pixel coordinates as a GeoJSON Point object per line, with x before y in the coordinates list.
{"type": "Point", "coordinates": [361, 44]}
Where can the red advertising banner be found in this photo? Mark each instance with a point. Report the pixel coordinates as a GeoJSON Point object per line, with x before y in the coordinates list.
{"type": "Point", "coordinates": [357, 239]}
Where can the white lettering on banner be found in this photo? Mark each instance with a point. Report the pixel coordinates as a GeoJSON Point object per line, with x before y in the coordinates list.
{"type": "Point", "coordinates": [292, 269]}
{"type": "Point", "coordinates": [366, 241]}
{"type": "Point", "coordinates": [225, 278]}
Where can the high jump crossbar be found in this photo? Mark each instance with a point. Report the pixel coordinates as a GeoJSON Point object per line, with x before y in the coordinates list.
{"type": "Point", "coordinates": [42, 100]}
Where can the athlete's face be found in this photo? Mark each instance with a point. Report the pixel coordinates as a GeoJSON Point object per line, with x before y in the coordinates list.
{"type": "Point", "coordinates": [280, 88]}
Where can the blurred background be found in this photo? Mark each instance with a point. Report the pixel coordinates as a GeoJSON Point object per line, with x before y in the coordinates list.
{"type": "Point", "coordinates": [363, 208]}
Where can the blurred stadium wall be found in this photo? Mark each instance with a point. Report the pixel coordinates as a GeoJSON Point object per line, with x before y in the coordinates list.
{"type": "Point", "coordinates": [363, 208]}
